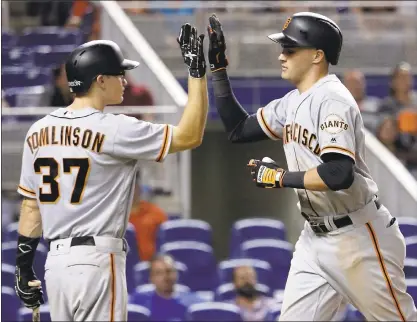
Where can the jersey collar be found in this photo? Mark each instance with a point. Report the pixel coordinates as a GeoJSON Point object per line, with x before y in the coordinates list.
{"type": "Point", "coordinates": [321, 81]}
{"type": "Point", "coordinates": [70, 113]}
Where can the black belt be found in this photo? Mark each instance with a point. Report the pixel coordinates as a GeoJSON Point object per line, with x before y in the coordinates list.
{"type": "Point", "coordinates": [83, 241]}
{"type": "Point", "coordinates": [344, 221]}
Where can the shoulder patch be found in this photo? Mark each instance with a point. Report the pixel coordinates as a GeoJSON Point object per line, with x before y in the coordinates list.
{"type": "Point", "coordinates": [334, 124]}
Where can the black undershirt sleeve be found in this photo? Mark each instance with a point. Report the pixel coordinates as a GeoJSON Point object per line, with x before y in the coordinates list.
{"type": "Point", "coordinates": [337, 171]}
{"type": "Point", "coordinates": [241, 126]}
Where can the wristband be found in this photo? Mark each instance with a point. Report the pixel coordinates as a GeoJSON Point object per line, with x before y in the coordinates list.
{"type": "Point", "coordinates": [293, 179]}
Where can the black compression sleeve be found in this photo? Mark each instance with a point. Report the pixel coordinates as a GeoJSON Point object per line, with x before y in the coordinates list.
{"type": "Point", "coordinates": [241, 126]}
{"type": "Point", "coordinates": [337, 171]}
{"type": "Point", "coordinates": [26, 250]}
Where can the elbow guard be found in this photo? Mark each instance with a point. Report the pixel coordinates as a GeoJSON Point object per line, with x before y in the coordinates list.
{"type": "Point", "coordinates": [337, 174]}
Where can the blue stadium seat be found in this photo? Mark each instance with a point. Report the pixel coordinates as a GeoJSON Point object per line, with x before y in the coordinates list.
{"type": "Point", "coordinates": [184, 230]}
{"type": "Point", "coordinates": [137, 313]}
{"type": "Point", "coordinates": [52, 36]}
{"type": "Point", "coordinates": [200, 261]}
{"type": "Point", "coordinates": [274, 313]}
{"type": "Point", "coordinates": [146, 288]}
{"type": "Point", "coordinates": [214, 311]}
{"type": "Point", "coordinates": [277, 253]}
{"type": "Point", "coordinates": [25, 314]}
{"type": "Point", "coordinates": [226, 292]}
{"type": "Point", "coordinates": [142, 272]}
{"type": "Point", "coordinates": [10, 304]}
{"type": "Point", "coordinates": [8, 39]}
{"type": "Point", "coordinates": [24, 77]}
{"type": "Point", "coordinates": [132, 257]}
{"type": "Point", "coordinates": [7, 275]}
{"type": "Point", "coordinates": [353, 315]}
{"type": "Point", "coordinates": [408, 226]}
{"type": "Point", "coordinates": [25, 96]}
{"type": "Point", "coordinates": [412, 288]}
{"type": "Point", "coordinates": [263, 269]}
{"type": "Point", "coordinates": [17, 56]}
{"type": "Point", "coordinates": [254, 228]}
{"type": "Point", "coordinates": [411, 246]}
{"type": "Point", "coordinates": [51, 56]}
{"type": "Point", "coordinates": [11, 232]}
{"type": "Point", "coordinates": [410, 268]}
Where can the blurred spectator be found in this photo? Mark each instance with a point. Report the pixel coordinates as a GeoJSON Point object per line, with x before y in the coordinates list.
{"type": "Point", "coordinates": [61, 96]}
{"type": "Point", "coordinates": [355, 82]}
{"type": "Point", "coordinates": [401, 93]}
{"type": "Point", "coordinates": [387, 133]}
{"type": "Point", "coordinates": [146, 217]}
{"type": "Point", "coordinates": [164, 302]}
{"type": "Point", "coordinates": [79, 11]}
{"type": "Point", "coordinates": [254, 306]}
{"type": "Point", "coordinates": [52, 13]}
{"type": "Point", "coordinates": [407, 126]}
{"type": "Point", "coordinates": [138, 96]}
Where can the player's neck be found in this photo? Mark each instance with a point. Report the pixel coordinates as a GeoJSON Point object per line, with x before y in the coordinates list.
{"type": "Point", "coordinates": [87, 101]}
{"type": "Point", "coordinates": [311, 78]}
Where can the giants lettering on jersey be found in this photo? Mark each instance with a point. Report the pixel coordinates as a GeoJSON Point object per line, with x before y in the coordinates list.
{"type": "Point", "coordinates": [294, 132]}
{"type": "Point", "coordinates": [66, 136]}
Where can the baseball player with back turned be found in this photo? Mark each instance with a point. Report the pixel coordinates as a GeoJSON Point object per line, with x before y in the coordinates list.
{"type": "Point", "coordinates": [351, 248]}
{"type": "Point", "coordinates": [78, 177]}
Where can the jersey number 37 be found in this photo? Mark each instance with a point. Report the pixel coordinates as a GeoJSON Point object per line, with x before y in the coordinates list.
{"type": "Point", "coordinates": [81, 164]}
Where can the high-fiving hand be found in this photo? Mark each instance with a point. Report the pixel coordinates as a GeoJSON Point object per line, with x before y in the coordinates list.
{"type": "Point", "coordinates": [192, 50]}
{"type": "Point", "coordinates": [217, 45]}
{"type": "Point", "coordinates": [266, 173]}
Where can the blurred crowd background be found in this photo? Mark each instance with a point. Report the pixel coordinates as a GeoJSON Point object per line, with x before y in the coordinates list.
{"type": "Point", "coordinates": [180, 269]}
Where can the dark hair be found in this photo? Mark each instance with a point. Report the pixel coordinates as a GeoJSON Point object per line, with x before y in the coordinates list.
{"type": "Point", "coordinates": [400, 66]}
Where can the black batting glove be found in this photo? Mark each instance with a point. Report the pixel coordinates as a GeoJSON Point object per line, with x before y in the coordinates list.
{"type": "Point", "coordinates": [191, 47]}
{"type": "Point", "coordinates": [217, 45]}
{"type": "Point", "coordinates": [266, 173]}
{"type": "Point", "coordinates": [31, 296]}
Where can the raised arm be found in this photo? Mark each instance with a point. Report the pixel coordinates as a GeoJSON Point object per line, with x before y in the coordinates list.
{"type": "Point", "coordinates": [188, 134]}
{"type": "Point", "coordinates": [241, 126]}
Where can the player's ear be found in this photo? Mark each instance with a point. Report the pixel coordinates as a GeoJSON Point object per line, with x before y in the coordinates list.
{"type": "Point", "coordinates": [318, 56]}
{"type": "Point", "coordinates": [100, 80]}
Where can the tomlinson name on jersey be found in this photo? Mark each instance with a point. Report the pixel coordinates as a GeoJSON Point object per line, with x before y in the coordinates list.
{"type": "Point", "coordinates": [66, 136]}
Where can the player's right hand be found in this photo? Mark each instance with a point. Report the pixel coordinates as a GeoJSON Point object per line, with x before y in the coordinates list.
{"type": "Point", "coordinates": [30, 294]}
{"type": "Point", "coordinates": [217, 45]}
{"type": "Point", "coordinates": [192, 50]}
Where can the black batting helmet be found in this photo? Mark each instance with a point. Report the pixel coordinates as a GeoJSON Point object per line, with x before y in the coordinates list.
{"type": "Point", "coordinates": [94, 58]}
{"type": "Point", "coordinates": [311, 30]}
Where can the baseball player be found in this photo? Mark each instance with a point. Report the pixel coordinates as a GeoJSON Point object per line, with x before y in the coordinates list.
{"type": "Point", "coordinates": [78, 177]}
{"type": "Point", "coordinates": [351, 248]}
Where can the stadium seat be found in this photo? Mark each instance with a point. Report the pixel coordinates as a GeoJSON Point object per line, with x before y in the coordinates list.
{"type": "Point", "coordinates": [141, 271]}
{"type": "Point", "coordinates": [277, 253]}
{"type": "Point", "coordinates": [411, 246]}
{"type": "Point", "coordinates": [200, 261]}
{"type": "Point", "coordinates": [39, 36]}
{"type": "Point", "coordinates": [412, 288]}
{"type": "Point", "coordinates": [410, 268]}
{"type": "Point", "coordinates": [25, 314]}
{"type": "Point", "coordinates": [226, 292]}
{"type": "Point", "coordinates": [24, 77]}
{"type": "Point", "coordinates": [263, 269]}
{"type": "Point", "coordinates": [146, 288]}
{"type": "Point", "coordinates": [26, 96]}
{"type": "Point", "coordinates": [353, 314]}
{"type": "Point", "coordinates": [274, 313]}
{"type": "Point", "coordinates": [214, 311]}
{"type": "Point", "coordinates": [16, 56]}
{"type": "Point", "coordinates": [11, 232]}
{"type": "Point", "coordinates": [137, 313]}
{"type": "Point", "coordinates": [408, 226]}
{"type": "Point", "coordinates": [51, 56]}
{"type": "Point", "coordinates": [254, 228]}
{"type": "Point", "coordinates": [132, 257]}
{"type": "Point", "coordinates": [10, 304]}
{"type": "Point", "coordinates": [7, 274]}
{"type": "Point", "coordinates": [184, 230]}
{"type": "Point", "coordinates": [8, 39]}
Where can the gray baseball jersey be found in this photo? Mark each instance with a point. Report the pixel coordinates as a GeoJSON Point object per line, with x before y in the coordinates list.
{"type": "Point", "coordinates": [322, 120]}
{"type": "Point", "coordinates": [81, 167]}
